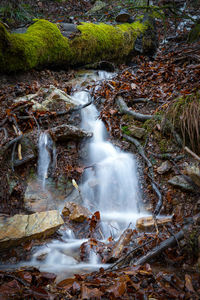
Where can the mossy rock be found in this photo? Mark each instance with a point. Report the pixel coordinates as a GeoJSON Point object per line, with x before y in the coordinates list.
{"type": "Point", "coordinates": [44, 45]}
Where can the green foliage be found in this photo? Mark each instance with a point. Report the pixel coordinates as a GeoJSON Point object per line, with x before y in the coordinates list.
{"type": "Point", "coordinates": [11, 12]}
{"type": "Point", "coordinates": [126, 130]}
{"type": "Point", "coordinates": [184, 114]}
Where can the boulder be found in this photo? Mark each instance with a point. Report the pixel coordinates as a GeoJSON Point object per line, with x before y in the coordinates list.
{"type": "Point", "coordinates": [194, 173]}
{"type": "Point", "coordinates": [75, 212]}
{"type": "Point", "coordinates": [65, 132]}
{"type": "Point", "coordinates": [53, 99]}
{"type": "Point", "coordinates": [180, 182]}
{"type": "Point", "coordinates": [136, 131]}
{"type": "Point", "coordinates": [20, 228]}
{"type": "Point", "coordinates": [164, 167]}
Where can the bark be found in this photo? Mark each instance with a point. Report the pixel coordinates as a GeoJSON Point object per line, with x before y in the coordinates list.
{"type": "Point", "coordinates": [44, 45]}
{"type": "Point", "coordinates": [125, 110]}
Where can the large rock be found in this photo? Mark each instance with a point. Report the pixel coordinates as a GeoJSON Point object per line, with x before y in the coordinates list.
{"type": "Point", "coordinates": [53, 99]}
{"type": "Point", "coordinates": [65, 132]}
{"type": "Point", "coordinates": [20, 228]}
{"type": "Point", "coordinates": [136, 131]}
{"type": "Point", "coordinates": [180, 182]}
{"type": "Point", "coordinates": [194, 173]}
{"type": "Point", "coordinates": [75, 212]}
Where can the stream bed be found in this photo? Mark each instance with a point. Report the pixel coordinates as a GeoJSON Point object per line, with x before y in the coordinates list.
{"type": "Point", "coordinates": [110, 186]}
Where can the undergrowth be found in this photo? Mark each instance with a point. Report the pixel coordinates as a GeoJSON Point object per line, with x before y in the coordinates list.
{"type": "Point", "coordinates": [184, 114]}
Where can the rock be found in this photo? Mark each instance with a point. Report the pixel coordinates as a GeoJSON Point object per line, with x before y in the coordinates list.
{"type": "Point", "coordinates": [194, 173]}
{"type": "Point", "coordinates": [164, 167]}
{"type": "Point", "coordinates": [136, 131]}
{"type": "Point", "coordinates": [179, 182]}
{"type": "Point", "coordinates": [99, 5]}
{"type": "Point", "coordinates": [76, 213]}
{"type": "Point", "coordinates": [65, 132]}
{"type": "Point", "coordinates": [123, 17]}
{"type": "Point", "coordinates": [53, 99]}
{"type": "Point", "coordinates": [20, 228]}
{"type": "Point", "coordinates": [147, 223]}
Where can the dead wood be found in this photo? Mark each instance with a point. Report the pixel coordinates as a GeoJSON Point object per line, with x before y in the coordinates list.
{"type": "Point", "coordinates": [124, 261]}
{"type": "Point", "coordinates": [170, 242]}
{"type": "Point", "coordinates": [118, 248]}
{"type": "Point", "coordinates": [125, 110]}
{"type": "Point", "coordinates": [194, 155]}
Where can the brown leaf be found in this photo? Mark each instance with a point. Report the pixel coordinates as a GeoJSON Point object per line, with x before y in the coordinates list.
{"type": "Point", "coordinates": [188, 283]}
{"type": "Point", "coordinates": [87, 293]}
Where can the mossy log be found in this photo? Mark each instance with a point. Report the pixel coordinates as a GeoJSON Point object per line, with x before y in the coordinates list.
{"type": "Point", "coordinates": [44, 45]}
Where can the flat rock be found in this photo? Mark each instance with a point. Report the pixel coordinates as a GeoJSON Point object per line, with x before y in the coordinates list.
{"type": "Point", "coordinates": [20, 228]}
{"type": "Point", "coordinates": [136, 131]}
{"type": "Point", "coordinates": [65, 132]}
{"type": "Point", "coordinates": [179, 182]}
{"type": "Point", "coordinates": [75, 212]}
{"type": "Point", "coordinates": [194, 173]}
{"type": "Point", "coordinates": [164, 167]}
{"type": "Point", "coordinates": [147, 223]}
{"type": "Point", "coordinates": [53, 99]}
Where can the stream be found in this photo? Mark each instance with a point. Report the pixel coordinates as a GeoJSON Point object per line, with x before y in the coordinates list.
{"type": "Point", "coordinates": [110, 186]}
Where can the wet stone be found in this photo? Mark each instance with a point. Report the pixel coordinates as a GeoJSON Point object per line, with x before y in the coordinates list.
{"type": "Point", "coordinates": [20, 228]}
{"type": "Point", "coordinates": [179, 182]}
{"type": "Point", "coordinates": [136, 131]}
{"type": "Point", "coordinates": [164, 167]}
{"type": "Point", "coordinates": [75, 212]}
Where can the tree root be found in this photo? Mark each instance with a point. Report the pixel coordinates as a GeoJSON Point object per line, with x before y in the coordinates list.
{"type": "Point", "coordinates": [125, 110]}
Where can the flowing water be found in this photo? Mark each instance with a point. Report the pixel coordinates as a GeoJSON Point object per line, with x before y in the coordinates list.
{"type": "Point", "coordinates": [110, 186]}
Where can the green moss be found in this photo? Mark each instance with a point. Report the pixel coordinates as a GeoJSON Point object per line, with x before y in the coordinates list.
{"type": "Point", "coordinates": [105, 41]}
{"type": "Point", "coordinates": [126, 130]}
{"type": "Point", "coordinates": [43, 44]}
{"type": "Point", "coordinates": [163, 143]}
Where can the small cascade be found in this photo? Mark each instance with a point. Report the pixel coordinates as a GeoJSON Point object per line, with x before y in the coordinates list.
{"type": "Point", "coordinates": [111, 185]}
{"type": "Point", "coordinates": [47, 154]}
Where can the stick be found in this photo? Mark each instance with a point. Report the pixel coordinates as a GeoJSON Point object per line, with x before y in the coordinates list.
{"type": "Point", "coordinates": [194, 155]}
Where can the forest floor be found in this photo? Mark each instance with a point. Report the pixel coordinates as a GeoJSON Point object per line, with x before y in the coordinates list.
{"type": "Point", "coordinates": [173, 73]}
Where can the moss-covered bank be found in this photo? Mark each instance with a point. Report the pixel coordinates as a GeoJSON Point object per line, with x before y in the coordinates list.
{"type": "Point", "coordinates": [44, 45]}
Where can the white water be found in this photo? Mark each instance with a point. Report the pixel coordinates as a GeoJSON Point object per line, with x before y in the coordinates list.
{"type": "Point", "coordinates": [44, 157]}
{"type": "Point", "coordinates": [110, 186]}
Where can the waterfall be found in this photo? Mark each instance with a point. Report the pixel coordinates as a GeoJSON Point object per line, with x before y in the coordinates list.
{"type": "Point", "coordinates": [46, 156]}
{"type": "Point", "coordinates": [111, 185]}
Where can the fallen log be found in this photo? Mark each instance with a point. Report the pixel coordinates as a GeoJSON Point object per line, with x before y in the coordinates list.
{"type": "Point", "coordinates": [44, 45]}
